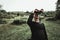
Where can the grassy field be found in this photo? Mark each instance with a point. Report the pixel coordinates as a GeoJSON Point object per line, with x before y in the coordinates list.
{"type": "Point", "coordinates": [52, 29]}
{"type": "Point", "coordinates": [22, 32]}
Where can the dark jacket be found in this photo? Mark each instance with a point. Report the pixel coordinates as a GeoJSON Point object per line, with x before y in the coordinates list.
{"type": "Point", "coordinates": [38, 30]}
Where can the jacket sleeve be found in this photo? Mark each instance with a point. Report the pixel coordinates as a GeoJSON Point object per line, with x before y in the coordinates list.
{"type": "Point", "coordinates": [46, 37]}
{"type": "Point", "coordinates": [29, 21]}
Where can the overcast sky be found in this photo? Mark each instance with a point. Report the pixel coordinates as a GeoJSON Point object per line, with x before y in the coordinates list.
{"type": "Point", "coordinates": [24, 5]}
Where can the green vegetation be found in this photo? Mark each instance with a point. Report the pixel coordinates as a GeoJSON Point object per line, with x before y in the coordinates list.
{"type": "Point", "coordinates": [13, 32]}
{"type": "Point", "coordinates": [9, 31]}
{"type": "Point", "coordinates": [52, 28]}
{"type": "Point", "coordinates": [22, 32]}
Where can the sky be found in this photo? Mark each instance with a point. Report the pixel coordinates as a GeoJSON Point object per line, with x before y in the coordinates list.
{"type": "Point", "coordinates": [24, 5]}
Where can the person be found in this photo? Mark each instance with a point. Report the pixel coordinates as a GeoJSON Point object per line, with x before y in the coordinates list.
{"type": "Point", "coordinates": [38, 31]}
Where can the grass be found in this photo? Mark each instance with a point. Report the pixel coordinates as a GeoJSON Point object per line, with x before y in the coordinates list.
{"type": "Point", "coordinates": [52, 28]}
{"type": "Point", "coordinates": [13, 32]}
{"type": "Point", "coordinates": [22, 32]}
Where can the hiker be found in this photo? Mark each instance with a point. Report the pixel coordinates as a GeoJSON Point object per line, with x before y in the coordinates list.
{"type": "Point", "coordinates": [38, 31]}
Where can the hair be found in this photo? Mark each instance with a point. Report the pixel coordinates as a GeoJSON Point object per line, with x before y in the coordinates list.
{"type": "Point", "coordinates": [36, 11]}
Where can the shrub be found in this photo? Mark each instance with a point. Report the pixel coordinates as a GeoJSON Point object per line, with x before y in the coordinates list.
{"type": "Point", "coordinates": [51, 19]}
{"type": "Point", "coordinates": [18, 22]}
{"type": "Point", "coordinates": [3, 22]}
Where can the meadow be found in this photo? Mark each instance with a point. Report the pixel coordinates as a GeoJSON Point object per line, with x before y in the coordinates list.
{"type": "Point", "coordinates": [22, 32]}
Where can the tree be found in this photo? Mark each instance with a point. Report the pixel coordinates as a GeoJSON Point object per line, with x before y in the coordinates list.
{"type": "Point", "coordinates": [0, 7]}
{"type": "Point", "coordinates": [58, 10]}
{"type": "Point", "coordinates": [1, 10]}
